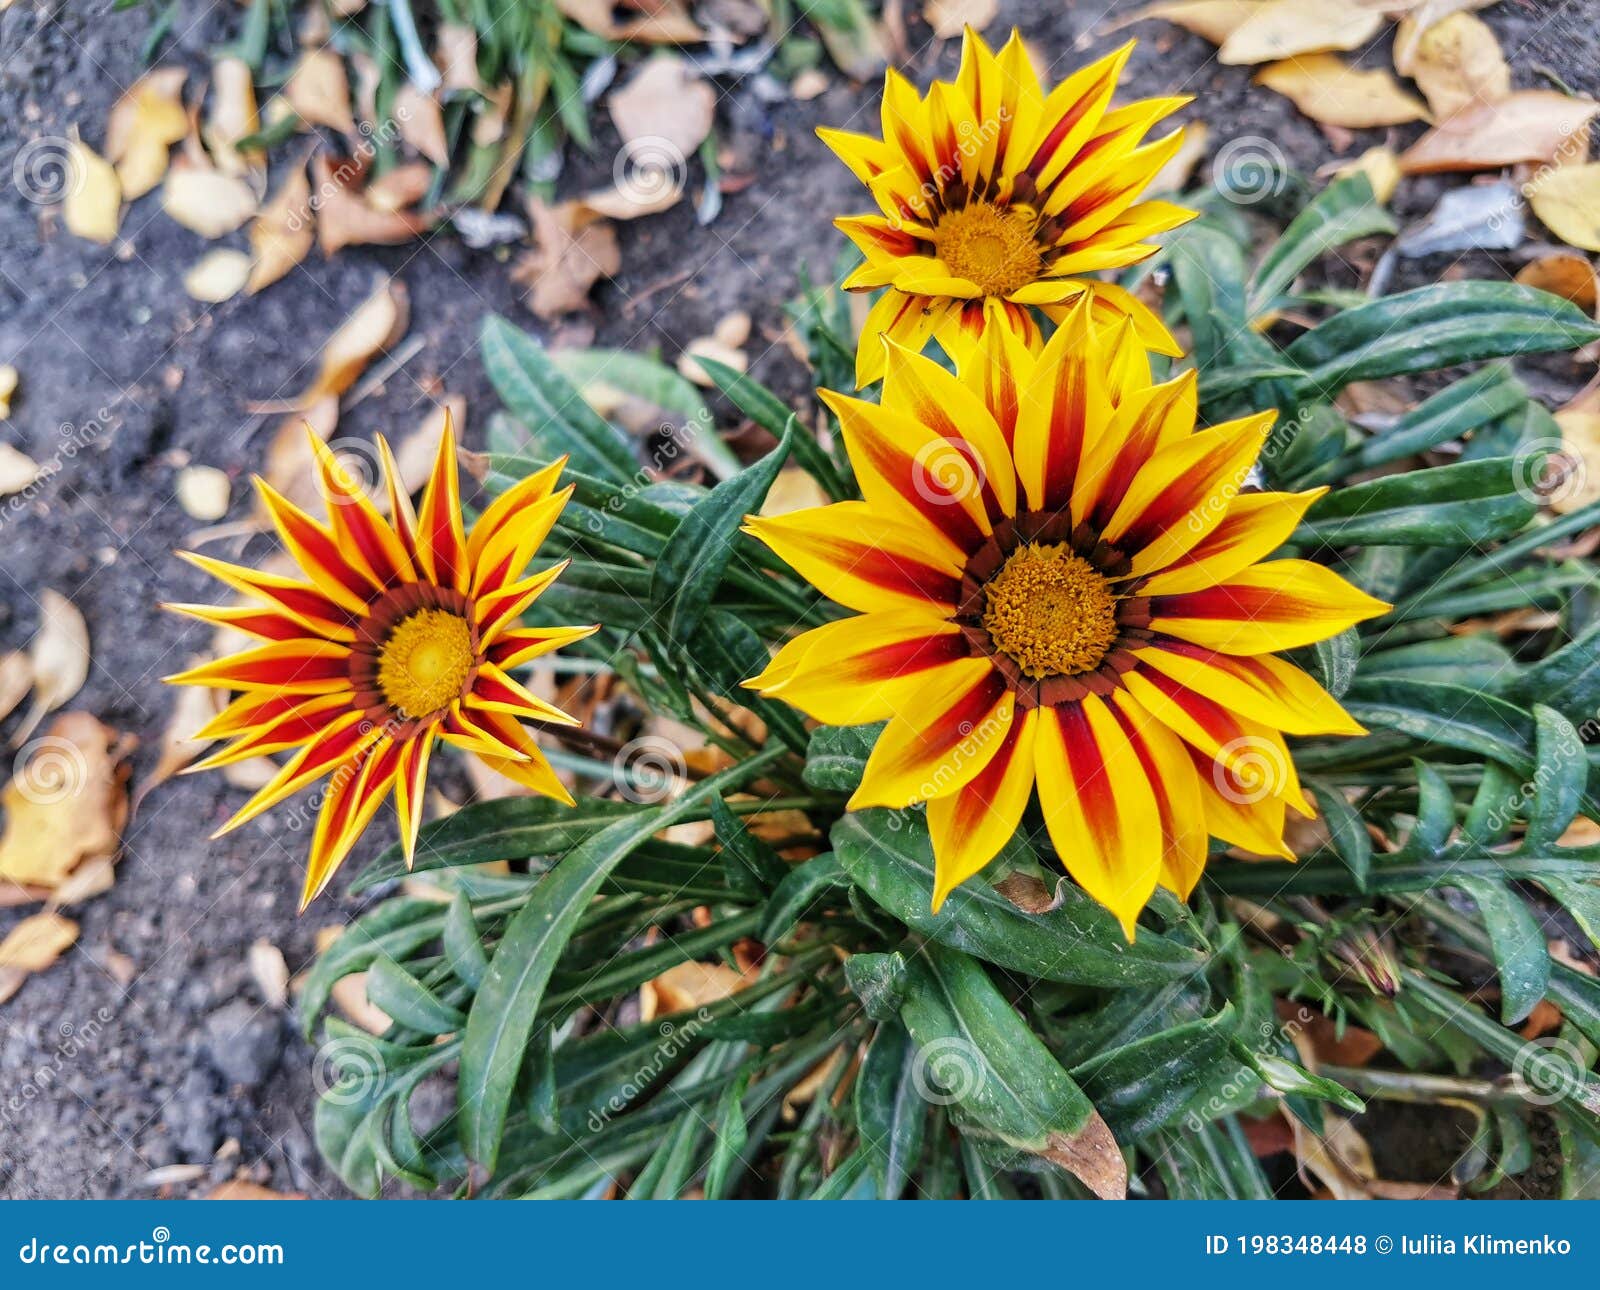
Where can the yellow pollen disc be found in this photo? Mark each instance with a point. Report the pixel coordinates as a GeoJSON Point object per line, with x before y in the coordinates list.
{"type": "Point", "coordinates": [989, 247]}
{"type": "Point", "coordinates": [424, 662]}
{"type": "Point", "coordinates": [1050, 611]}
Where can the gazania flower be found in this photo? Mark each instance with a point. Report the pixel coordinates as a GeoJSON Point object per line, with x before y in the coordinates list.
{"type": "Point", "coordinates": [403, 630]}
{"type": "Point", "coordinates": [1061, 589]}
{"type": "Point", "coordinates": [997, 197]}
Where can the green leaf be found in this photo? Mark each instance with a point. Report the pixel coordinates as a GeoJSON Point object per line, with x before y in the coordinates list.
{"type": "Point", "coordinates": [1560, 773]}
{"type": "Point", "coordinates": [891, 1117]}
{"type": "Point", "coordinates": [889, 856]}
{"type": "Point", "coordinates": [653, 381]}
{"type": "Point", "coordinates": [536, 392]}
{"type": "Point", "coordinates": [1343, 211]}
{"type": "Point", "coordinates": [879, 981]}
{"type": "Point", "coordinates": [837, 756]}
{"type": "Point", "coordinates": [1150, 1083]}
{"type": "Point", "coordinates": [800, 889]}
{"type": "Point", "coordinates": [503, 1013]}
{"type": "Point", "coordinates": [395, 991]}
{"type": "Point", "coordinates": [1520, 957]}
{"type": "Point", "coordinates": [1347, 833]}
{"type": "Point", "coordinates": [1208, 270]}
{"type": "Point", "coordinates": [461, 944]}
{"type": "Point", "coordinates": [752, 868]}
{"type": "Point", "coordinates": [1446, 714]}
{"type": "Point", "coordinates": [1568, 678]}
{"type": "Point", "coordinates": [1437, 326]}
{"type": "Point", "coordinates": [1458, 505]}
{"type": "Point", "coordinates": [692, 562]}
{"type": "Point", "coordinates": [1483, 396]}
{"type": "Point", "coordinates": [393, 930]}
{"type": "Point", "coordinates": [976, 1054]}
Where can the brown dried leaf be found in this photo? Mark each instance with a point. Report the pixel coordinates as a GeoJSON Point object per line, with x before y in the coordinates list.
{"type": "Point", "coordinates": [281, 235]}
{"type": "Point", "coordinates": [1565, 274]}
{"type": "Point", "coordinates": [647, 192]}
{"type": "Point", "coordinates": [688, 985]}
{"type": "Point", "coordinates": [421, 121]}
{"type": "Point", "coordinates": [1455, 63]}
{"type": "Point", "coordinates": [1423, 14]}
{"type": "Point", "coordinates": [1526, 125]}
{"type": "Point", "coordinates": [1281, 29]}
{"type": "Point", "coordinates": [1091, 1155]}
{"type": "Point", "coordinates": [667, 104]}
{"type": "Point", "coordinates": [242, 1189]}
{"type": "Point", "coordinates": [456, 54]}
{"type": "Point", "coordinates": [66, 803]}
{"type": "Point", "coordinates": [143, 124]}
{"type": "Point", "coordinates": [92, 208]}
{"type": "Point", "coordinates": [1580, 439]}
{"type": "Point", "coordinates": [1333, 93]}
{"type": "Point", "coordinates": [319, 91]}
{"type": "Point", "coordinates": [1215, 20]}
{"type": "Point", "coordinates": [574, 251]}
{"type": "Point", "coordinates": [194, 706]}
{"type": "Point", "coordinates": [33, 945]}
{"type": "Point", "coordinates": [348, 216]}
{"type": "Point", "coordinates": [59, 656]}
{"type": "Point", "coordinates": [375, 326]}
{"type": "Point", "coordinates": [1567, 201]}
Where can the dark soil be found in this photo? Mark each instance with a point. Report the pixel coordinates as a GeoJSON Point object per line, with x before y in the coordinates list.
{"type": "Point", "coordinates": [102, 1082]}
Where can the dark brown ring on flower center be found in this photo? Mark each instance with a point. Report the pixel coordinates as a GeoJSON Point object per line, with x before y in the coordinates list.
{"type": "Point", "coordinates": [385, 614]}
{"type": "Point", "coordinates": [1132, 610]}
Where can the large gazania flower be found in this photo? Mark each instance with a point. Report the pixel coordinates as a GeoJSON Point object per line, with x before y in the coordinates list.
{"type": "Point", "coordinates": [404, 630]}
{"type": "Point", "coordinates": [996, 196]}
{"type": "Point", "coordinates": [1061, 587]}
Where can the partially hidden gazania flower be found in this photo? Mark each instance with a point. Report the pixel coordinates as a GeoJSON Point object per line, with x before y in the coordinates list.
{"type": "Point", "coordinates": [403, 630]}
{"type": "Point", "coordinates": [1062, 589]}
{"type": "Point", "coordinates": [997, 197]}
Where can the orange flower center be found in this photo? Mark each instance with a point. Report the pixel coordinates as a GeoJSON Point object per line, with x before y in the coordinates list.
{"type": "Point", "coordinates": [990, 247]}
{"type": "Point", "coordinates": [425, 661]}
{"type": "Point", "coordinates": [1051, 611]}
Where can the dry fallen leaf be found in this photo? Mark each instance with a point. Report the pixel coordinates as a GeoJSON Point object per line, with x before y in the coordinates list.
{"type": "Point", "coordinates": [1527, 125]}
{"type": "Point", "coordinates": [1562, 273]}
{"type": "Point", "coordinates": [270, 973]}
{"type": "Point", "coordinates": [33, 945]}
{"type": "Point", "coordinates": [217, 276]}
{"type": "Point", "coordinates": [714, 349]}
{"type": "Point", "coordinates": [421, 121]}
{"type": "Point", "coordinates": [144, 123]}
{"type": "Point", "coordinates": [1420, 16]}
{"type": "Point", "coordinates": [17, 470]}
{"type": "Point", "coordinates": [16, 679]}
{"type": "Point", "coordinates": [204, 492]}
{"type": "Point", "coordinates": [1455, 63]}
{"type": "Point", "coordinates": [1282, 29]}
{"type": "Point", "coordinates": [949, 17]}
{"type": "Point", "coordinates": [686, 986]}
{"type": "Point", "coordinates": [1382, 169]}
{"type": "Point", "coordinates": [205, 200]}
{"type": "Point", "coordinates": [242, 1189]}
{"type": "Point", "coordinates": [281, 236]}
{"type": "Point", "coordinates": [456, 53]}
{"type": "Point", "coordinates": [794, 489]}
{"type": "Point", "coordinates": [574, 250]}
{"type": "Point", "coordinates": [1332, 93]}
{"type": "Point", "coordinates": [378, 323]}
{"type": "Point", "coordinates": [1567, 201]}
{"type": "Point", "coordinates": [649, 190]}
{"type": "Point", "coordinates": [59, 654]}
{"type": "Point", "coordinates": [1580, 438]}
{"type": "Point", "coordinates": [10, 378]}
{"type": "Point", "coordinates": [348, 215]}
{"type": "Point", "coordinates": [319, 91]}
{"type": "Point", "coordinates": [666, 104]}
{"type": "Point", "coordinates": [66, 803]}
{"type": "Point", "coordinates": [233, 117]}
{"type": "Point", "coordinates": [92, 207]}
{"type": "Point", "coordinates": [1215, 20]}
{"type": "Point", "coordinates": [194, 706]}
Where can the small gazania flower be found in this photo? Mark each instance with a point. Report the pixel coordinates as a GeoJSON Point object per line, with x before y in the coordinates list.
{"type": "Point", "coordinates": [404, 630]}
{"type": "Point", "coordinates": [1061, 587]}
{"type": "Point", "coordinates": [996, 197]}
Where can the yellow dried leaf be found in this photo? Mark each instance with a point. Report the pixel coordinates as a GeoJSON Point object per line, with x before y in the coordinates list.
{"type": "Point", "coordinates": [281, 236]}
{"type": "Point", "coordinates": [31, 946]}
{"type": "Point", "coordinates": [233, 116]}
{"type": "Point", "coordinates": [217, 276]}
{"type": "Point", "coordinates": [66, 802]}
{"type": "Point", "coordinates": [1422, 14]}
{"type": "Point", "coordinates": [1567, 201]}
{"type": "Point", "coordinates": [319, 91]}
{"type": "Point", "coordinates": [1215, 20]}
{"type": "Point", "coordinates": [1580, 439]}
{"type": "Point", "coordinates": [206, 201]}
{"type": "Point", "coordinates": [92, 208]}
{"type": "Point", "coordinates": [239, 1188]}
{"type": "Point", "coordinates": [1282, 29]}
{"type": "Point", "coordinates": [793, 490]}
{"type": "Point", "coordinates": [17, 470]}
{"type": "Point", "coordinates": [144, 123]}
{"type": "Point", "coordinates": [377, 324]}
{"type": "Point", "coordinates": [10, 378]}
{"type": "Point", "coordinates": [59, 653]}
{"type": "Point", "coordinates": [16, 679]}
{"type": "Point", "coordinates": [949, 17]}
{"type": "Point", "coordinates": [347, 216]}
{"type": "Point", "coordinates": [1333, 93]}
{"type": "Point", "coordinates": [1526, 125]}
{"type": "Point", "coordinates": [1562, 273]}
{"type": "Point", "coordinates": [1382, 169]}
{"type": "Point", "coordinates": [1455, 63]}
{"type": "Point", "coordinates": [687, 986]}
